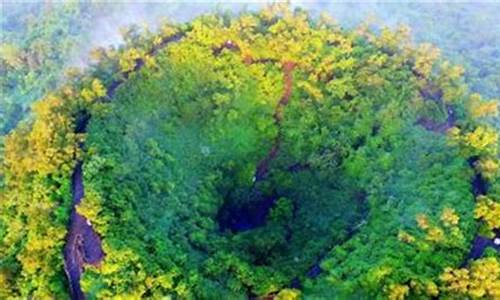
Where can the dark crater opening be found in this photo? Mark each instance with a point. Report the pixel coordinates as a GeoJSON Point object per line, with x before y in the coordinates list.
{"type": "Point", "coordinates": [245, 209]}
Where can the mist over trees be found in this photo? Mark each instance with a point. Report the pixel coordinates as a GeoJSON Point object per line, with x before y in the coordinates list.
{"type": "Point", "coordinates": [466, 33]}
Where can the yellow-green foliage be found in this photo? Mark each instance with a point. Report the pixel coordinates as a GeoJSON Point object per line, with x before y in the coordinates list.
{"type": "Point", "coordinates": [480, 281]}
{"type": "Point", "coordinates": [385, 203]}
{"type": "Point", "coordinates": [489, 211]}
{"type": "Point", "coordinates": [38, 162]}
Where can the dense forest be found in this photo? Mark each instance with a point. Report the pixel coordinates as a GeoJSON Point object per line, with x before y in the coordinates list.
{"type": "Point", "coordinates": [272, 153]}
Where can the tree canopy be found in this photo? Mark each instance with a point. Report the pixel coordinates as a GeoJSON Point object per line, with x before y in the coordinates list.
{"type": "Point", "coordinates": [269, 154]}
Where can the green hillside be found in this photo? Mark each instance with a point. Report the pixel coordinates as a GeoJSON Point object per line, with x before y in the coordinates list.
{"type": "Point", "coordinates": [269, 155]}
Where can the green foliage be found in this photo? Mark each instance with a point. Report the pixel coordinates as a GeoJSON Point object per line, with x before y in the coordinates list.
{"type": "Point", "coordinates": [38, 42]}
{"type": "Point", "coordinates": [354, 185]}
{"type": "Point", "coordinates": [396, 196]}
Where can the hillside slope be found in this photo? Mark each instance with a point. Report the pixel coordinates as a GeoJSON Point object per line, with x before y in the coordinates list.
{"type": "Point", "coordinates": [269, 155]}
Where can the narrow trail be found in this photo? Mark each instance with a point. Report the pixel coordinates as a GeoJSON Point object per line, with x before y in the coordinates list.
{"type": "Point", "coordinates": [288, 67]}
{"type": "Point", "coordinates": [254, 213]}
{"type": "Point", "coordinates": [139, 63]}
{"type": "Point", "coordinates": [480, 243]}
{"type": "Point", "coordinates": [263, 167]}
{"type": "Point", "coordinates": [83, 245]}
{"type": "Point", "coordinates": [439, 127]}
{"type": "Point", "coordinates": [478, 185]}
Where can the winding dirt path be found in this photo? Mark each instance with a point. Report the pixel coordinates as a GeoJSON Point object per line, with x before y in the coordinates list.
{"type": "Point", "coordinates": [83, 245]}
{"type": "Point", "coordinates": [246, 218]}
{"type": "Point", "coordinates": [287, 67]}
{"type": "Point", "coordinates": [439, 127]}
{"type": "Point", "coordinates": [480, 243]}
{"type": "Point", "coordinates": [254, 213]}
{"type": "Point", "coordinates": [478, 185]}
{"type": "Point", "coordinates": [263, 166]}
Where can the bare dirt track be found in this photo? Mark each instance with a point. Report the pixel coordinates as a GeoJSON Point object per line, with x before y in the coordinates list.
{"type": "Point", "coordinates": [263, 166]}
{"type": "Point", "coordinates": [83, 245]}
{"type": "Point", "coordinates": [478, 185]}
{"type": "Point", "coordinates": [254, 214]}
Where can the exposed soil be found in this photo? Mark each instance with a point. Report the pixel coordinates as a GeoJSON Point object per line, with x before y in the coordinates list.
{"type": "Point", "coordinates": [480, 243]}
{"type": "Point", "coordinates": [254, 213]}
{"type": "Point", "coordinates": [83, 245]}
{"type": "Point", "coordinates": [139, 63]}
{"type": "Point", "coordinates": [263, 167]}
{"type": "Point", "coordinates": [443, 127]}
{"type": "Point", "coordinates": [478, 185]}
